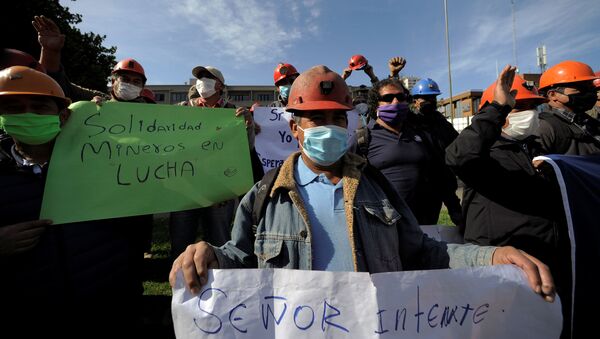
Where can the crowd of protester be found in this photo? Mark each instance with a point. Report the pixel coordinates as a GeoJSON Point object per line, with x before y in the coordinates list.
{"type": "Point", "coordinates": [335, 205]}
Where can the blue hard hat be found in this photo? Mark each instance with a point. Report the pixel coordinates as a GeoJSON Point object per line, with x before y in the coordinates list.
{"type": "Point", "coordinates": [425, 87]}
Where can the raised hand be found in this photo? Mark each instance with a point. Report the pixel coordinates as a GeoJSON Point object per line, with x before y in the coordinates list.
{"type": "Point", "coordinates": [346, 73]}
{"type": "Point", "coordinates": [49, 35]}
{"type": "Point", "coordinates": [396, 64]}
{"type": "Point", "coordinates": [502, 93]}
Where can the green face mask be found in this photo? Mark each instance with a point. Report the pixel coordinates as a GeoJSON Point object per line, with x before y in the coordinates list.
{"type": "Point", "coordinates": [31, 128]}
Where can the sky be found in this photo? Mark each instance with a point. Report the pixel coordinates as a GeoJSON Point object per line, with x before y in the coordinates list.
{"type": "Point", "coordinates": [246, 39]}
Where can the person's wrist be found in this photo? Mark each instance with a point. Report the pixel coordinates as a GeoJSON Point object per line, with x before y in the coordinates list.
{"type": "Point", "coordinates": [53, 50]}
{"type": "Point", "coordinates": [502, 108]}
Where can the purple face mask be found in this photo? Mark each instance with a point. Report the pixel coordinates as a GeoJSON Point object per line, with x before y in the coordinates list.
{"type": "Point", "coordinates": [393, 113]}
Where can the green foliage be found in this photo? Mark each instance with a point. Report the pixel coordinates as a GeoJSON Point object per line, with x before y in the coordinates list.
{"type": "Point", "coordinates": [444, 218]}
{"type": "Point", "coordinates": [86, 61]}
{"type": "Point", "coordinates": [157, 269]}
{"type": "Point", "coordinates": [157, 288]}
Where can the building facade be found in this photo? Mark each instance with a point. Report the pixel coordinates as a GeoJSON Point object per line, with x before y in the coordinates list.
{"type": "Point", "coordinates": [465, 104]}
{"type": "Point", "coordinates": [240, 96]}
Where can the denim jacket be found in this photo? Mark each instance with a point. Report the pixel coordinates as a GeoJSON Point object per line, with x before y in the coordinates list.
{"type": "Point", "coordinates": [383, 237]}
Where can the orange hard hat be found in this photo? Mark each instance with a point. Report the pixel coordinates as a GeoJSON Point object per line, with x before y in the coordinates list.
{"type": "Point", "coordinates": [319, 88]}
{"type": "Point", "coordinates": [283, 71]}
{"type": "Point", "coordinates": [21, 80]}
{"type": "Point", "coordinates": [357, 62]}
{"type": "Point", "coordinates": [524, 92]}
{"type": "Point", "coordinates": [566, 72]}
{"type": "Point", "coordinates": [129, 65]}
{"type": "Point", "coordinates": [13, 57]}
{"type": "Point", "coordinates": [148, 95]}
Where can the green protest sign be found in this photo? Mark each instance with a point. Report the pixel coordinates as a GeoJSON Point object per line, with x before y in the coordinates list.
{"type": "Point", "coordinates": [123, 159]}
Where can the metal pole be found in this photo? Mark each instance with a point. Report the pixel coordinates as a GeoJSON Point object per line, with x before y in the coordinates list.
{"type": "Point", "coordinates": [449, 70]}
{"type": "Point", "coordinates": [514, 20]}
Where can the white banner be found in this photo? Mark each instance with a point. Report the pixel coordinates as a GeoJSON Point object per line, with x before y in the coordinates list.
{"type": "Point", "coordinates": [275, 142]}
{"type": "Point", "coordinates": [483, 302]}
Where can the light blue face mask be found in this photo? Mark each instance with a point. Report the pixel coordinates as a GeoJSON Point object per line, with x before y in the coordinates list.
{"type": "Point", "coordinates": [284, 91]}
{"type": "Point", "coordinates": [325, 144]}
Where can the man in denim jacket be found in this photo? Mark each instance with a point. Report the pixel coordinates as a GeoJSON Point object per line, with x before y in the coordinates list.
{"type": "Point", "coordinates": [326, 211]}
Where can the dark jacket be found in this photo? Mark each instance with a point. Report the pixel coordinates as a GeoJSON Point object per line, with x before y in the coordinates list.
{"type": "Point", "coordinates": [441, 134]}
{"type": "Point", "coordinates": [506, 201]}
{"type": "Point", "coordinates": [75, 270]}
{"type": "Point", "coordinates": [438, 126]}
{"type": "Point", "coordinates": [74, 91]}
{"type": "Point", "coordinates": [563, 132]}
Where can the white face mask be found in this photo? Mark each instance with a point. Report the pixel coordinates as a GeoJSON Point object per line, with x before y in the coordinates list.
{"type": "Point", "coordinates": [522, 124]}
{"type": "Point", "coordinates": [206, 87]}
{"type": "Point", "coordinates": [127, 92]}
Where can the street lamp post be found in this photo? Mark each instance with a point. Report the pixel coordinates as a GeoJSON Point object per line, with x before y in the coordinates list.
{"type": "Point", "coordinates": [449, 70]}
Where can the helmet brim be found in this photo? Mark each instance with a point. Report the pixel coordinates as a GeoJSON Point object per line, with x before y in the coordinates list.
{"type": "Point", "coordinates": [65, 101]}
{"type": "Point", "coordinates": [359, 66]}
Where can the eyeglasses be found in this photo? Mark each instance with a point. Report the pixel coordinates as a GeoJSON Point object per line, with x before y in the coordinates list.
{"type": "Point", "coordinates": [129, 80]}
{"type": "Point", "coordinates": [390, 97]}
{"type": "Point", "coordinates": [580, 89]}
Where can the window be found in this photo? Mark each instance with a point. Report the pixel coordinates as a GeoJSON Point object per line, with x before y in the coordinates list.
{"type": "Point", "coordinates": [458, 110]}
{"type": "Point", "coordinates": [466, 107]}
{"type": "Point", "coordinates": [476, 102]}
{"type": "Point", "coordinates": [239, 96]}
{"type": "Point", "coordinates": [264, 97]}
{"type": "Point", "coordinates": [177, 97]}
{"type": "Point", "coordinates": [159, 96]}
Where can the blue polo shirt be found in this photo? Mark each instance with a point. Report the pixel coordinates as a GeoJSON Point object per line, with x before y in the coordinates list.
{"type": "Point", "coordinates": [324, 204]}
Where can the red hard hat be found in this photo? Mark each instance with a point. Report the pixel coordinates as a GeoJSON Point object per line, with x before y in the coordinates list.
{"type": "Point", "coordinates": [357, 61]}
{"type": "Point", "coordinates": [13, 57]}
{"type": "Point", "coordinates": [283, 71]}
{"type": "Point", "coordinates": [319, 88]}
{"type": "Point", "coordinates": [129, 65]}
{"type": "Point", "coordinates": [524, 92]}
{"type": "Point", "coordinates": [566, 72]}
{"type": "Point", "coordinates": [148, 95]}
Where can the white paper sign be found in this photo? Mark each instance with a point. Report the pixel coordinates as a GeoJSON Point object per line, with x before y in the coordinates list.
{"type": "Point", "coordinates": [275, 142]}
{"type": "Point", "coordinates": [483, 302]}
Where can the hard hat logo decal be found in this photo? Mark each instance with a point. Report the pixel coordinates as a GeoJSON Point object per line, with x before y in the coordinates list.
{"type": "Point", "coordinates": [528, 85]}
{"type": "Point", "coordinates": [283, 70]}
{"type": "Point", "coordinates": [15, 76]}
{"type": "Point", "coordinates": [326, 87]}
{"type": "Point", "coordinates": [131, 64]}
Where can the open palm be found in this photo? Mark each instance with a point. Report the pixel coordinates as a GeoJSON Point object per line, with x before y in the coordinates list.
{"type": "Point", "coordinates": [49, 35]}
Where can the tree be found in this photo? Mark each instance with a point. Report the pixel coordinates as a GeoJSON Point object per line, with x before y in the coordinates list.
{"type": "Point", "coordinates": [87, 62]}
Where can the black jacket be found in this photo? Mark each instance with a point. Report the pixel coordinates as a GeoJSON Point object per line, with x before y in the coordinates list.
{"type": "Point", "coordinates": [76, 271]}
{"type": "Point", "coordinates": [563, 132]}
{"type": "Point", "coordinates": [506, 201]}
{"type": "Point", "coordinates": [441, 134]}
{"type": "Point", "coordinates": [438, 126]}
